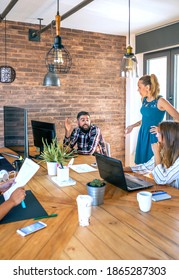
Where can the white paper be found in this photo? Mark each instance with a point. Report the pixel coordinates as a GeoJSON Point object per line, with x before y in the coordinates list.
{"type": "Point", "coordinates": [27, 171]}
{"type": "Point", "coordinates": [82, 168]}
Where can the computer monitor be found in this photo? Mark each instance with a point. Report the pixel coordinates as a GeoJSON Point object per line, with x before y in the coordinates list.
{"type": "Point", "coordinates": [42, 130]}
{"type": "Point", "coordinates": [16, 130]}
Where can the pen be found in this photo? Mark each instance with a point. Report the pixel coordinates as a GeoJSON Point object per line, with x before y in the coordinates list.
{"type": "Point", "coordinates": [47, 216]}
{"type": "Point", "coordinates": [158, 193]}
{"type": "Point", "coordinates": [23, 204]}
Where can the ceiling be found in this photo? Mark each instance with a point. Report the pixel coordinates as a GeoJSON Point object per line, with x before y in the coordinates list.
{"type": "Point", "coordinates": [103, 16]}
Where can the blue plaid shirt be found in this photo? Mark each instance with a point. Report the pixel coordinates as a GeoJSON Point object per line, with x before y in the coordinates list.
{"type": "Point", "coordinates": [87, 143]}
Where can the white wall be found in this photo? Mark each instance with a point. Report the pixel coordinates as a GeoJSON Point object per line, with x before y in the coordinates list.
{"type": "Point", "coordinates": [133, 104]}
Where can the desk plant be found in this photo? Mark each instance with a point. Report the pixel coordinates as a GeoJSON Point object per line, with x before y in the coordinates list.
{"type": "Point", "coordinates": [96, 189]}
{"type": "Point", "coordinates": [55, 153]}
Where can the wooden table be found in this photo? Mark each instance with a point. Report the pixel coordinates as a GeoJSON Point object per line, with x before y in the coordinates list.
{"type": "Point", "coordinates": [118, 229]}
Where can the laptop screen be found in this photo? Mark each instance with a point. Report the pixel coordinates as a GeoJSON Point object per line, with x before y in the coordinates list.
{"type": "Point", "coordinates": [111, 170]}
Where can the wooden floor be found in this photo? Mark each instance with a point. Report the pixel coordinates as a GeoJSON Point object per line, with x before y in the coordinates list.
{"type": "Point", "coordinates": [118, 229]}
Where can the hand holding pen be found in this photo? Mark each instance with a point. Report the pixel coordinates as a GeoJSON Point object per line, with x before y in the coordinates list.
{"type": "Point", "coordinates": [17, 196]}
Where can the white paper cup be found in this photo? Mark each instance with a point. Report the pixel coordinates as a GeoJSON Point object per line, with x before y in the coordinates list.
{"type": "Point", "coordinates": [63, 173]}
{"type": "Point", "coordinates": [84, 203]}
{"type": "Point", "coordinates": [145, 200]}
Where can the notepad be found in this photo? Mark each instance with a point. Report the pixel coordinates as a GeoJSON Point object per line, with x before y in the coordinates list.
{"type": "Point", "coordinates": [27, 171]}
{"type": "Point", "coordinates": [160, 195]}
{"type": "Point", "coordinates": [82, 168]}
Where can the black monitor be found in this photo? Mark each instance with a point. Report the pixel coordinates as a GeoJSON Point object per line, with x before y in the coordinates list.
{"type": "Point", "coordinates": [16, 130]}
{"type": "Point", "coordinates": [42, 130]}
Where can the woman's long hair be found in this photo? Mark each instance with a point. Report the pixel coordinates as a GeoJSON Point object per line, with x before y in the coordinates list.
{"type": "Point", "coordinates": [152, 81]}
{"type": "Point", "coordinates": [169, 131]}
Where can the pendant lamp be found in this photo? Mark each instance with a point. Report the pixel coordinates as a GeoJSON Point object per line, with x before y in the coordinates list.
{"type": "Point", "coordinates": [129, 64]}
{"type": "Point", "coordinates": [7, 73]}
{"type": "Point", "coordinates": [58, 59]}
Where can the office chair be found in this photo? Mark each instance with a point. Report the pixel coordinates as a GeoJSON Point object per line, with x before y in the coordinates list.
{"type": "Point", "coordinates": [108, 149]}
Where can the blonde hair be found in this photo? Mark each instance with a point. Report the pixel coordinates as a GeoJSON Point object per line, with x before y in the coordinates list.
{"type": "Point", "coordinates": [152, 81]}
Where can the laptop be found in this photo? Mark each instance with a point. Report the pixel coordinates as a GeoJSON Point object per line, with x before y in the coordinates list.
{"type": "Point", "coordinates": [111, 170]}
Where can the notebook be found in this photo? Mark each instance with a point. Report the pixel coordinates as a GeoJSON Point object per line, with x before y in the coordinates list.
{"type": "Point", "coordinates": [111, 170]}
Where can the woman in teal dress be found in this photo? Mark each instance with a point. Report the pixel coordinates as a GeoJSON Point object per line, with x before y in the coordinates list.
{"type": "Point", "coordinates": [153, 110]}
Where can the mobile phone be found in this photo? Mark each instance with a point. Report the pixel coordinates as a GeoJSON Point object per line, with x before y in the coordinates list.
{"type": "Point", "coordinates": [31, 228]}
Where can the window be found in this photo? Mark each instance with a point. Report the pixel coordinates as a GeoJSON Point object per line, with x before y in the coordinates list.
{"type": "Point", "coordinates": [165, 65]}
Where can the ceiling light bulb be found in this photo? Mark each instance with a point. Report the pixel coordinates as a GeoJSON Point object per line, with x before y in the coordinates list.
{"type": "Point", "coordinates": [58, 57]}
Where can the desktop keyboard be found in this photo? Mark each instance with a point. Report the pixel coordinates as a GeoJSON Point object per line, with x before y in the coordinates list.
{"type": "Point", "coordinates": [5, 164]}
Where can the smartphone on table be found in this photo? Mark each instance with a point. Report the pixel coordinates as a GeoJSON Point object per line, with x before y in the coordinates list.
{"type": "Point", "coordinates": [31, 228]}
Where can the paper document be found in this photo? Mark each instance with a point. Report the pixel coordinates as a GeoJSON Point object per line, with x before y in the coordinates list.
{"type": "Point", "coordinates": [82, 168]}
{"type": "Point", "coordinates": [27, 171]}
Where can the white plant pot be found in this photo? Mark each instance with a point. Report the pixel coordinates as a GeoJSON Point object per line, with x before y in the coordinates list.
{"type": "Point", "coordinates": [52, 168]}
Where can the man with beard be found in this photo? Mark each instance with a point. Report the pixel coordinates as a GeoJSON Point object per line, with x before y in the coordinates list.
{"type": "Point", "coordinates": [86, 136]}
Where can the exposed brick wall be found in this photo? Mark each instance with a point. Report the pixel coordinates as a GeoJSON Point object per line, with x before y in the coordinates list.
{"type": "Point", "coordinates": [93, 83]}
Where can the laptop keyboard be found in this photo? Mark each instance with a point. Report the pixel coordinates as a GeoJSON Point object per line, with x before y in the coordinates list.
{"type": "Point", "coordinates": [132, 184]}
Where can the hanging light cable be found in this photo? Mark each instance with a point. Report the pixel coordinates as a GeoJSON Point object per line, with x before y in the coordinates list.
{"type": "Point", "coordinates": [129, 64]}
{"type": "Point", "coordinates": [7, 73]}
{"type": "Point", "coordinates": [58, 59]}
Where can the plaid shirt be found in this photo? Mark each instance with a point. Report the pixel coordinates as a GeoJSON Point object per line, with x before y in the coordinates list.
{"type": "Point", "coordinates": [87, 143]}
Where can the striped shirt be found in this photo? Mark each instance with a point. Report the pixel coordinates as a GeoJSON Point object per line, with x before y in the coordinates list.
{"type": "Point", "coordinates": [161, 174]}
{"type": "Point", "coordinates": [87, 143]}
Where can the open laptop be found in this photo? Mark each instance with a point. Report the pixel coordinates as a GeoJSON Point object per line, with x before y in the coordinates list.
{"type": "Point", "coordinates": [111, 170]}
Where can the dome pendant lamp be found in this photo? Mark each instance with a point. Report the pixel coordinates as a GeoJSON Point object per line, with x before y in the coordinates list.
{"type": "Point", "coordinates": [129, 64]}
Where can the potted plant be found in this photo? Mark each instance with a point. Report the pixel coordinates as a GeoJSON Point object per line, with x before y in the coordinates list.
{"type": "Point", "coordinates": [96, 189]}
{"type": "Point", "coordinates": [55, 154]}
{"type": "Point", "coordinates": [49, 155]}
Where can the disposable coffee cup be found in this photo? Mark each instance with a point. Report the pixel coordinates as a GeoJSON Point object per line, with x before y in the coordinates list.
{"type": "Point", "coordinates": [145, 201]}
{"type": "Point", "coordinates": [84, 203]}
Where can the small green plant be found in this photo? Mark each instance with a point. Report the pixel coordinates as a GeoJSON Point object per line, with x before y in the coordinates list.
{"type": "Point", "coordinates": [49, 153]}
{"type": "Point", "coordinates": [56, 152]}
{"type": "Point", "coordinates": [96, 183]}
{"type": "Point", "coordinates": [64, 153]}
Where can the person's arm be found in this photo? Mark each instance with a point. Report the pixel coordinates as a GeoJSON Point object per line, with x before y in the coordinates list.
{"type": "Point", "coordinates": [130, 127]}
{"type": "Point", "coordinates": [4, 186]}
{"type": "Point", "coordinates": [68, 127]}
{"type": "Point", "coordinates": [127, 169]}
{"type": "Point", "coordinates": [156, 151]}
{"type": "Point", "coordinates": [16, 197]}
{"type": "Point", "coordinates": [142, 168]}
{"type": "Point", "coordinates": [163, 104]}
{"type": "Point", "coordinates": [72, 140]}
{"type": "Point", "coordinates": [164, 175]}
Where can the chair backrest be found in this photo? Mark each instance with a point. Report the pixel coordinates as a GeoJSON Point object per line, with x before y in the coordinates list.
{"type": "Point", "coordinates": [108, 149]}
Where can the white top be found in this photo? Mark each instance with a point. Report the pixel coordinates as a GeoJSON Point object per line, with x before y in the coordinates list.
{"type": "Point", "coordinates": [161, 174]}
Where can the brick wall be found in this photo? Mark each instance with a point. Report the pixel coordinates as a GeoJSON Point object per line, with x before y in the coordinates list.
{"type": "Point", "coordinates": [93, 84]}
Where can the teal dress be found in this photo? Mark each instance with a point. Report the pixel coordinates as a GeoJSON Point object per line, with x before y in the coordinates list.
{"type": "Point", "coordinates": [151, 116]}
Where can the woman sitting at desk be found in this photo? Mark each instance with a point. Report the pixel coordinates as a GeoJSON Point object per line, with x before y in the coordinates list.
{"type": "Point", "coordinates": [165, 162]}
{"type": "Point", "coordinates": [16, 197]}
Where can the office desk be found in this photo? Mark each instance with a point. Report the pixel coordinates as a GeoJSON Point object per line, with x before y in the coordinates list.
{"type": "Point", "coordinates": [118, 229]}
